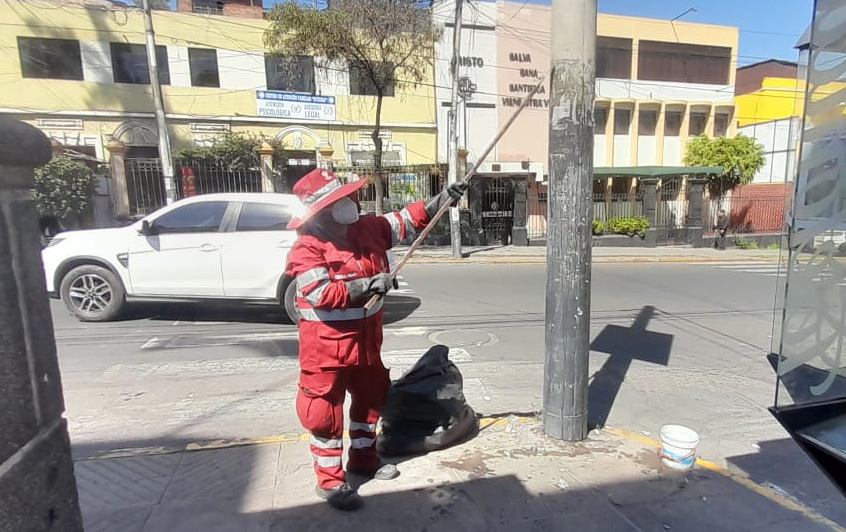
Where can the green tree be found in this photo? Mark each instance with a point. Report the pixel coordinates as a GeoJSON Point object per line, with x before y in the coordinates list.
{"type": "Point", "coordinates": [63, 188]}
{"type": "Point", "coordinates": [388, 43]}
{"type": "Point", "coordinates": [741, 158]}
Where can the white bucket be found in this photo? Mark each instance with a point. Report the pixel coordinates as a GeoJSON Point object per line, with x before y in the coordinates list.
{"type": "Point", "coordinates": [678, 446]}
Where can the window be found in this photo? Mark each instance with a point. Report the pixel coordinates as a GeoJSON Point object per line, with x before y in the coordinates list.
{"type": "Point", "coordinates": [622, 121]}
{"type": "Point", "coordinates": [721, 124]}
{"type": "Point", "coordinates": [647, 122]}
{"type": "Point", "coordinates": [207, 7]}
{"type": "Point", "coordinates": [613, 58]}
{"type": "Point", "coordinates": [129, 63]}
{"type": "Point", "coordinates": [600, 120]}
{"type": "Point", "coordinates": [685, 63]}
{"type": "Point", "coordinates": [263, 217]}
{"type": "Point", "coordinates": [50, 58]}
{"type": "Point", "coordinates": [291, 74]}
{"type": "Point", "coordinates": [203, 64]}
{"type": "Point", "coordinates": [698, 122]}
{"type": "Point", "coordinates": [362, 85]}
{"type": "Point", "coordinates": [202, 217]}
{"type": "Point", "coordinates": [672, 123]}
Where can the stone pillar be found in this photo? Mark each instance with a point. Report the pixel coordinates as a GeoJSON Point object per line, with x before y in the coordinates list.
{"type": "Point", "coordinates": [634, 135]}
{"type": "Point", "coordinates": [520, 230]}
{"type": "Point", "coordinates": [266, 155]}
{"type": "Point", "coordinates": [325, 153]}
{"type": "Point", "coordinates": [660, 128]}
{"type": "Point", "coordinates": [650, 205]}
{"type": "Point", "coordinates": [696, 210]}
{"type": "Point", "coordinates": [120, 190]}
{"type": "Point", "coordinates": [609, 134]}
{"type": "Point", "coordinates": [37, 485]}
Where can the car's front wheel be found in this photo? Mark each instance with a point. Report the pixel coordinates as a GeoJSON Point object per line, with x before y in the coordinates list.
{"type": "Point", "coordinates": [93, 293]}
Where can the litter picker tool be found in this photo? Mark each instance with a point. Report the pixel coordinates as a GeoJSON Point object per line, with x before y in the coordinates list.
{"type": "Point", "coordinates": [438, 215]}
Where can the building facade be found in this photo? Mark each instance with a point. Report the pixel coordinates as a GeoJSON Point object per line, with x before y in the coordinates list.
{"type": "Point", "coordinates": [80, 74]}
{"type": "Point", "coordinates": [658, 84]}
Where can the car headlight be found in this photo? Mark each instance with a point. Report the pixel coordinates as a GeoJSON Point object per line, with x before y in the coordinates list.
{"type": "Point", "coordinates": [54, 241]}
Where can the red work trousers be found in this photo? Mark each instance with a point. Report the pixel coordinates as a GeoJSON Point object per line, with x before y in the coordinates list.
{"type": "Point", "coordinates": [320, 407]}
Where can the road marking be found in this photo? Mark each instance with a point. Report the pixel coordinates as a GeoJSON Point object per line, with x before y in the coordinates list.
{"type": "Point", "coordinates": [400, 358]}
{"type": "Point", "coordinates": [187, 341]}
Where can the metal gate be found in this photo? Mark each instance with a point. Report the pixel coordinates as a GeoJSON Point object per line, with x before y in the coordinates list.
{"type": "Point", "coordinates": [145, 185]}
{"type": "Point", "coordinates": [498, 210]}
{"type": "Point", "coordinates": [671, 216]}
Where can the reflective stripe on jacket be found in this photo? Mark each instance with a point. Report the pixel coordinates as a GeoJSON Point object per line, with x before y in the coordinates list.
{"type": "Point", "coordinates": [336, 331]}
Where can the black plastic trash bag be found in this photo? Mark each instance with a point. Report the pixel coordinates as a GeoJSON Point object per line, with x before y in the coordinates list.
{"type": "Point", "coordinates": [426, 409]}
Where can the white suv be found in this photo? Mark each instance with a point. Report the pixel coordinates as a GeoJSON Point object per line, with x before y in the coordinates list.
{"type": "Point", "coordinates": [208, 247]}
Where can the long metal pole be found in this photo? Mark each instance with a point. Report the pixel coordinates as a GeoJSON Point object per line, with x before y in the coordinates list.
{"type": "Point", "coordinates": [468, 174]}
{"type": "Point", "coordinates": [454, 222]}
{"type": "Point", "coordinates": [568, 252]}
{"type": "Point", "coordinates": [158, 103]}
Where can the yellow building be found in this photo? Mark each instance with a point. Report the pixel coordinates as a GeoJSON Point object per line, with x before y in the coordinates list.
{"type": "Point", "coordinates": [79, 73]}
{"type": "Point", "coordinates": [769, 99]}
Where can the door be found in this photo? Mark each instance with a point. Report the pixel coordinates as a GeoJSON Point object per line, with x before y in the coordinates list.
{"type": "Point", "coordinates": [255, 250]}
{"type": "Point", "coordinates": [182, 257]}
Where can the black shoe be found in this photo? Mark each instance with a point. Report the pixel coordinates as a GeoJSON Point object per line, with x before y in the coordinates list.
{"type": "Point", "coordinates": [382, 471]}
{"type": "Point", "coordinates": [341, 497]}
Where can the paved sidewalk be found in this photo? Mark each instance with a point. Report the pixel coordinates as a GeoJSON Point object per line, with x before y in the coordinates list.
{"type": "Point", "coordinates": [537, 254]}
{"type": "Point", "coordinates": [510, 478]}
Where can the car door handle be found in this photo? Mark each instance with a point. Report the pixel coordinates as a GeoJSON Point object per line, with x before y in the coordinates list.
{"type": "Point", "coordinates": [284, 244]}
{"type": "Point", "coordinates": [208, 247]}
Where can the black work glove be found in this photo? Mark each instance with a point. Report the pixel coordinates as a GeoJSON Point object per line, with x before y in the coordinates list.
{"type": "Point", "coordinates": [380, 284]}
{"type": "Point", "coordinates": [452, 194]}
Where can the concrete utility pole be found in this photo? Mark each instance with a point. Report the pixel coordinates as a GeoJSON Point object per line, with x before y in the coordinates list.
{"type": "Point", "coordinates": [568, 252]}
{"type": "Point", "coordinates": [454, 222]}
{"type": "Point", "coordinates": [158, 102]}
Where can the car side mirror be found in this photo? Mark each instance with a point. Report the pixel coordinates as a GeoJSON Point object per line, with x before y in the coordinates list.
{"type": "Point", "coordinates": [147, 229]}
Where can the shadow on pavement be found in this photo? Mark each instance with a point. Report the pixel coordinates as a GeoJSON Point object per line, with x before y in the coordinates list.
{"type": "Point", "coordinates": [783, 465]}
{"type": "Point", "coordinates": [269, 488]}
{"type": "Point", "coordinates": [624, 345]}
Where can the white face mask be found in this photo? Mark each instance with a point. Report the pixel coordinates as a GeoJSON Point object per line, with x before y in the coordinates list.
{"type": "Point", "coordinates": [345, 212]}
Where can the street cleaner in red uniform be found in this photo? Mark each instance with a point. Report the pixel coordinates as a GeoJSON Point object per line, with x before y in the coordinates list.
{"type": "Point", "coordinates": [339, 262]}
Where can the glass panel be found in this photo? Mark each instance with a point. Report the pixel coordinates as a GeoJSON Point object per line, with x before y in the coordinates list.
{"type": "Point", "coordinates": [129, 64]}
{"type": "Point", "coordinates": [50, 58]}
{"type": "Point", "coordinates": [195, 218]}
{"type": "Point", "coordinates": [292, 74]}
{"type": "Point", "coordinates": [203, 63]}
{"type": "Point", "coordinates": [812, 330]}
{"type": "Point", "coordinates": [263, 217]}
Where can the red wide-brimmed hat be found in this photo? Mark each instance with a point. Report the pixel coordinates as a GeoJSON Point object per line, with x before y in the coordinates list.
{"type": "Point", "coordinates": [319, 189]}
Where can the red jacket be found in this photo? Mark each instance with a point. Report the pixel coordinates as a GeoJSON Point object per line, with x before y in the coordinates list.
{"type": "Point", "coordinates": [336, 332]}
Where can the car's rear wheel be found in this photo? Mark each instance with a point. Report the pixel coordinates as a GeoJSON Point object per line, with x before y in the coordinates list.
{"type": "Point", "coordinates": [289, 301]}
{"type": "Point", "coordinates": [93, 293]}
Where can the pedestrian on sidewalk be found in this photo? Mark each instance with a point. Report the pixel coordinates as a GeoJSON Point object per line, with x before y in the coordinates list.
{"type": "Point", "coordinates": [722, 228]}
{"type": "Point", "coordinates": [339, 262]}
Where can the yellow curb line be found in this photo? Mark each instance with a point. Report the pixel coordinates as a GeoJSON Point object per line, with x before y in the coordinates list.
{"type": "Point", "coordinates": [777, 498]}
{"type": "Point", "coordinates": [209, 445]}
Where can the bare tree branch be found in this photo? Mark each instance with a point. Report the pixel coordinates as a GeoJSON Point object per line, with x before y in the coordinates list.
{"type": "Point", "coordinates": [389, 42]}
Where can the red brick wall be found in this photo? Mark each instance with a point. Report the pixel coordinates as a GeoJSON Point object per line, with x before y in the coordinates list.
{"type": "Point", "coordinates": [184, 6]}
{"type": "Point", "coordinates": [759, 208]}
{"type": "Point", "coordinates": [232, 9]}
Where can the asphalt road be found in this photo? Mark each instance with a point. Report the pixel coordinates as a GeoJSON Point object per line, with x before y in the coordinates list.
{"type": "Point", "coordinates": [173, 375]}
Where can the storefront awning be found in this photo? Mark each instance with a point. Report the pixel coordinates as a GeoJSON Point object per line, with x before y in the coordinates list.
{"type": "Point", "coordinates": [655, 171]}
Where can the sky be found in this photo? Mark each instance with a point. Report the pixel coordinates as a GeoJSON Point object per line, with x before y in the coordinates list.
{"type": "Point", "coordinates": [768, 28]}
